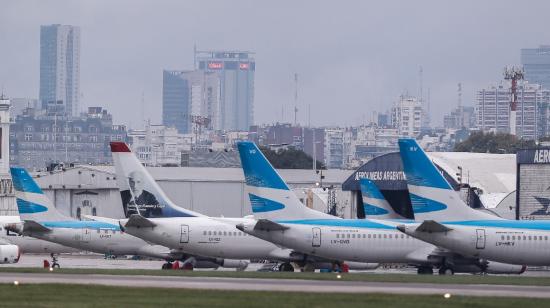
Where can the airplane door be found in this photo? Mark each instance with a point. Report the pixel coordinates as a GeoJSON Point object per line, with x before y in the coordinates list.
{"type": "Point", "coordinates": [86, 234]}
{"type": "Point", "coordinates": [316, 239]}
{"type": "Point", "coordinates": [184, 237]}
{"type": "Point", "coordinates": [480, 238]}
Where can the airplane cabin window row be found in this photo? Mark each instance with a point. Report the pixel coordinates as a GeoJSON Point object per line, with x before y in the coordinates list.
{"type": "Point", "coordinates": [364, 235]}
{"type": "Point", "coordinates": [524, 238]}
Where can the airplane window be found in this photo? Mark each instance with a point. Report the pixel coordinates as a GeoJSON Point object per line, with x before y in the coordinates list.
{"type": "Point", "coordinates": [240, 233]}
{"type": "Point", "coordinates": [368, 235]}
{"type": "Point", "coordinates": [385, 235]}
{"type": "Point", "coordinates": [545, 237]}
{"type": "Point", "coordinates": [215, 232]}
{"type": "Point", "coordinates": [337, 235]}
{"type": "Point", "coordinates": [507, 237]}
{"type": "Point", "coordinates": [98, 230]}
{"type": "Point", "coordinates": [513, 237]}
{"type": "Point", "coordinates": [529, 237]}
{"type": "Point", "coordinates": [364, 235]}
{"type": "Point", "coordinates": [524, 237]}
{"type": "Point", "coordinates": [353, 235]}
{"type": "Point", "coordinates": [535, 237]}
{"type": "Point", "coordinates": [348, 235]}
{"type": "Point", "coordinates": [235, 233]}
{"type": "Point", "coordinates": [209, 232]}
{"type": "Point", "coordinates": [204, 233]}
{"type": "Point", "coordinates": [224, 233]}
{"type": "Point", "coordinates": [540, 237]}
{"type": "Point", "coordinates": [106, 231]}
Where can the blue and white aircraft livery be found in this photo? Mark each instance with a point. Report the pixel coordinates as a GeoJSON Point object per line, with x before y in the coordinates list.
{"type": "Point", "coordinates": [42, 220]}
{"type": "Point", "coordinates": [446, 221]}
{"type": "Point", "coordinates": [374, 203]}
{"type": "Point", "coordinates": [282, 219]}
{"type": "Point", "coordinates": [190, 231]}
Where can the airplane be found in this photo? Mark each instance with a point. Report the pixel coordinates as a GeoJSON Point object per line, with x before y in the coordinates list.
{"type": "Point", "coordinates": [282, 219]}
{"type": "Point", "coordinates": [446, 221]}
{"type": "Point", "coordinates": [43, 221]}
{"type": "Point", "coordinates": [148, 209]}
{"type": "Point", "coordinates": [379, 208]}
{"type": "Point", "coordinates": [374, 203]}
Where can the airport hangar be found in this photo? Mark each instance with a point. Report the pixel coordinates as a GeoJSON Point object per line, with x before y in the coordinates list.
{"type": "Point", "coordinates": [487, 180]}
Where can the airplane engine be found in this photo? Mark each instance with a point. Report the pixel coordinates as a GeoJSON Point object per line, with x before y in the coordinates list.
{"type": "Point", "coordinates": [492, 267]}
{"type": "Point", "coordinates": [9, 254]}
{"type": "Point", "coordinates": [231, 263]}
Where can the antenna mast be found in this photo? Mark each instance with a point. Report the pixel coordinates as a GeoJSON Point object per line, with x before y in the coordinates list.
{"type": "Point", "coordinates": [514, 74]}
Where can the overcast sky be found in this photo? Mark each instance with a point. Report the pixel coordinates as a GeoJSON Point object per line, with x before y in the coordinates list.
{"type": "Point", "coordinates": [352, 57]}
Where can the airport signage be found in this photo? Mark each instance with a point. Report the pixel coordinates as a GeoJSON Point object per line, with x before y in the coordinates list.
{"type": "Point", "coordinates": [533, 156]}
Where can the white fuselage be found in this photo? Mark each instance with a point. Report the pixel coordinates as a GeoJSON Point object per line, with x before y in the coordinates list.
{"type": "Point", "coordinates": [507, 245]}
{"type": "Point", "coordinates": [378, 245]}
{"type": "Point", "coordinates": [209, 237]}
{"type": "Point", "coordinates": [104, 241]}
{"type": "Point", "coordinates": [29, 244]}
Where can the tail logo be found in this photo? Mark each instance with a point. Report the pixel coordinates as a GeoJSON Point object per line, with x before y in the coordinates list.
{"type": "Point", "coordinates": [260, 205]}
{"type": "Point", "coordinates": [26, 207]}
{"type": "Point", "coordinates": [425, 205]}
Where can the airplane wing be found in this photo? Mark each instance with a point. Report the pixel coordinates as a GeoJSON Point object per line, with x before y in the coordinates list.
{"type": "Point", "coordinates": [136, 220]}
{"type": "Point", "coordinates": [269, 225]}
{"type": "Point", "coordinates": [33, 226]}
{"type": "Point", "coordinates": [432, 226]}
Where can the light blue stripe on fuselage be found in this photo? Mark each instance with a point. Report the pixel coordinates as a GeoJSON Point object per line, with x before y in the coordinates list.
{"type": "Point", "coordinates": [77, 224]}
{"type": "Point", "coordinates": [511, 224]}
{"type": "Point", "coordinates": [350, 223]}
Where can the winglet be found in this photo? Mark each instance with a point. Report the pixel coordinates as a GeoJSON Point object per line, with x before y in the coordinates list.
{"type": "Point", "coordinates": [268, 225]}
{"type": "Point", "coordinates": [432, 226]}
{"type": "Point", "coordinates": [139, 221]}
{"type": "Point", "coordinates": [117, 147]}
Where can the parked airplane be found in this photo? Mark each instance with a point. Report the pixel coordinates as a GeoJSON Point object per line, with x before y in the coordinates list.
{"type": "Point", "coordinates": [374, 203]}
{"type": "Point", "coordinates": [448, 222]}
{"type": "Point", "coordinates": [43, 221]}
{"type": "Point", "coordinates": [145, 202]}
{"type": "Point", "coordinates": [284, 220]}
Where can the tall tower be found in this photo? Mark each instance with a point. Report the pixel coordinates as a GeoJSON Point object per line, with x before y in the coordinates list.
{"type": "Point", "coordinates": [60, 67]}
{"type": "Point", "coordinates": [513, 74]}
{"type": "Point", "coordinates": [7, 196]}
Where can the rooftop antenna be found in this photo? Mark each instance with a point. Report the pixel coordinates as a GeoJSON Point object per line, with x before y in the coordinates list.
{"type": "Point", "coordinates": [460, 109]}
{"type": "Point", "coordinates": [142, 108]}
{"type": "Point", "coordinates": [514, 74]}
{"type": "Point", "coordinates": [295, 98]}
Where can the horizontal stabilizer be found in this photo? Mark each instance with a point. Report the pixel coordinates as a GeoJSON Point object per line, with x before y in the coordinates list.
{"type": "Point", "coordinates": [139, 221]}
{"type": "Point", "coordinates": [33, 226]}
{"type": "Point", "coordinates": [268, 225]}
{"type": "Point", "coordinates": [432, 226]}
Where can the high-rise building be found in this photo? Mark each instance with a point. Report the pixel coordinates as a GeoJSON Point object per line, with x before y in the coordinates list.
{"type": "Point", "coordinates": [536, 64]}
{"type": "Point", "coordinates": [493, 110]}
{"type": "Point", "coordinates": [235, 70]}
{"type": "Point", "coordinates": [60, 67]}
{"type": "Point", "coordinates": [190, 98]}
{"type": "Point", "coordinates": [176, 101]}
{"type": "Point", "coordinates": [407, 116]}
{"type": "Point", "coordinates": [461, 117]}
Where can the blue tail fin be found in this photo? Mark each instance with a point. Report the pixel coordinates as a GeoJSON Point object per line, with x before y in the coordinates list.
{"type": "Point", "coordinates": [432, 197]}
{"type": "Point", "coordinates": [269, 195]}
{"type": "Point", "coordinates": [31, 201]}
{"type": "Point", "coordinates": [374, 203]}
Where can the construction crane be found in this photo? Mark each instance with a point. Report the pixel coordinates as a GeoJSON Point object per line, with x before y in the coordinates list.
{"type": "Point", "coordinates": [513, 73]}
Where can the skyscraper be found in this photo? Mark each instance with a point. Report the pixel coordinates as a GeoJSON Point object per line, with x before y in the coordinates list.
{"type": "Point", "coordinates": [175, 100]}
{"type": "Point", "coordinates": [60, 67]}
{"type": "Point", "coordinates": [536, 63]}
{"type": "Point", "coordinates": [235, 70]}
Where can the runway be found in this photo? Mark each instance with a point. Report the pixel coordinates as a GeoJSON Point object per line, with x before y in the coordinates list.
{"type": "Point", "coordinates": [291, 285]}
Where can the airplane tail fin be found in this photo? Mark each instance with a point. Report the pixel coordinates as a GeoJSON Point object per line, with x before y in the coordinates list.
{"type": "Point", "coordinates": [432, 197]}
{"type": "Point", "coordinates": [31, 201]}
{"type": "Point", "coordinates": [140, 193]}
{"type": "Point", "coordinates": [269, 195]}
{"type": "Point", "coordinates": [374, 203]}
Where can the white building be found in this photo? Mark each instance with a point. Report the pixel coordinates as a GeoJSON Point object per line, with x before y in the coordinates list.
{"type": "Point", "coordinates": [334, 148]}
{"type": "Point", "coordinates": [158, 145]}
{"type": "Point", "coordinates": [493, 109]}
{"type": "Point", "coordinates": [407, 116]}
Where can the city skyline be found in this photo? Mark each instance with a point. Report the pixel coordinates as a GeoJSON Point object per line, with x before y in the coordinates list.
{"type": "Point", "coordinates": [351, 58]}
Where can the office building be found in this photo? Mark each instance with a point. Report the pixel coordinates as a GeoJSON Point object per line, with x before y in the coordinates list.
{"type": "Point", "coordinates": [60, 67]}
{"type": "Point", "coordinates": [406, 116]}
{"type": "Point", "coordinates": [235, 70]}
{"type": "Point", "coordinates": [536, 64]}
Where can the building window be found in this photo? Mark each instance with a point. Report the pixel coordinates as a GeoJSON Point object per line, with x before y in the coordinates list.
{"type": "Point", "coordinates": [28, 137]}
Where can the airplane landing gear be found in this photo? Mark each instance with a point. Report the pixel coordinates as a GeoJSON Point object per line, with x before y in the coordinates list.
{"type": "Point", "coordinates": [167, 266]}
{"type": "Point", "coordinates": [54, 263]}
{"type": "Point", "coordinates": [445, 270]}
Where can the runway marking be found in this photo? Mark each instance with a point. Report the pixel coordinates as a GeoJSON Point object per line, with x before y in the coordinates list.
{"type": "Point", "coordinates": [289, 285]}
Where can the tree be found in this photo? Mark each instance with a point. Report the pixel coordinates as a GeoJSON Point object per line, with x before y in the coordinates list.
{"type": "Point", "coordinates": [480, 142]}
{"type": "Point", "coordinates": [290, 158]}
